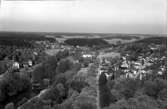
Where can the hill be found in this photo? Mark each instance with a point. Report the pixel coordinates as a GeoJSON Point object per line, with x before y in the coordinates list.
{"type": "Point", "coordinates": [86, 42]}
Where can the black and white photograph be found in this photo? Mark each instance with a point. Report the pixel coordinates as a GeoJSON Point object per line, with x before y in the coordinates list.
{"type": "Point", "coordinates": [83, 54]}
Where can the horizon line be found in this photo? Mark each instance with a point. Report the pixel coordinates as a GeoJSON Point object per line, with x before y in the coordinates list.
{"type": "Point", "coordinates": [82, 32]}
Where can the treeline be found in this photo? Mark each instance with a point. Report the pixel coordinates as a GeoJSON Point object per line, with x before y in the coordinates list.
{"type": "Point", "coordinates": [91, 42]}
{"type": "Point", "coordinates": [144, 48]}
{"type": "Point", "coordinates": [21, 39]}
{"type": "Point", "coordinates": [24, 36]}
{"type": "Point", "coordinates": [123, 37]}
{"type": "Point", "coordinates": [17, 43]}
{"type": "Point", "coordinates": [153, 40]}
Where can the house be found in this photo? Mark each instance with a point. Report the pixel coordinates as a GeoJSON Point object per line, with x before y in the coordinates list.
{"type": "Point", "coordinates": [108, 56]}
{"type": "Point", "coordinates": [124, 65]}
{"type": "Point", "coordinates": [15, 66]}
{"type": "Point", "coordinates": [30, 63]}
{"type": "Point", "coordinates": [87, 56]}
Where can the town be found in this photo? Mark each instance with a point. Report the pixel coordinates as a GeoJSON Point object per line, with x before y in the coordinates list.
{"type": "Point", "coordinates": [51, 72]}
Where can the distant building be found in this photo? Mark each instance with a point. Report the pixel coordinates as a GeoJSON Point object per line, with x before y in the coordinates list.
{"type": "Point", "coordinates": [15, 66]}
{"type": "Point", "coordinates": [87, 56]}
{"type": "Point", "coordinates": [108, 56]}
{"type": "Point", "coordinates": [30, 63]}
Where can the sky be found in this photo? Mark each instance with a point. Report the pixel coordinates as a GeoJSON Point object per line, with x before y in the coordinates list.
{"type": "Point", "coordinates": [97, 16]}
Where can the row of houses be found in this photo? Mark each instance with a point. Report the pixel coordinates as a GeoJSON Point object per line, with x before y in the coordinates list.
{"type": "Point", "coordinates": [141, 68]}
{"type": "Point", "coordinates": [138, 69]}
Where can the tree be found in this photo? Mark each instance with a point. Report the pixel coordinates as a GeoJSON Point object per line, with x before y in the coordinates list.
{"type": "Point", "coordinates": [102, 80]}
{"type": "Point", "coordinates": [84, 102]}
{"type": "Point", "coordinates": [14, 88]}
{"type": "Point", "coordinates": [105, 96]}
{"type": "Point", "coordinates": [151, 88]}
{"type": "Point", "coordinates": [46, 70]}
{"type": "Point", "coordinates": [63, 66]}
{"type": "Point", "coordinates": [77, 85]}
{"type": "Point", "coordinates": [9, 106]}
{"type": "Point", "coordinates": [62, 54]}
{"type": "Point", "coordinates": [3, 67]}
{"type": "Point", "coordinates": [162, 95]}
{"type": "Point", "coordinates": [127, 87]}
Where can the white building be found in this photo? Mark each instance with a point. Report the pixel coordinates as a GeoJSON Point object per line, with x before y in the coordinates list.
{"type": "Point", "coordinates": [15, 66]}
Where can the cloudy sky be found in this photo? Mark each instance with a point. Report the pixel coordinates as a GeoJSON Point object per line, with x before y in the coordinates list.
{"type": "Point", "coordinates": [111, 16]}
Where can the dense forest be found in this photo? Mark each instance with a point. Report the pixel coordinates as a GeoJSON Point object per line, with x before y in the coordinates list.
{"type": "Point", "coordinates": [21, 39]}
{"type": "Point", "coordinates": [90, 42]}
{"type": "Point", "coordinates": [133, 94]}
{"type": "Point", "coordinates": [68, 87]}
{"type": "Point", "coordinates": [153, 40]}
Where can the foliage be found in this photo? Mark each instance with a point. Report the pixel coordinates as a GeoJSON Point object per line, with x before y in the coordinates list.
{"type": "Point", "coordinates": [86, 99]}
{"type": "Point", "coordinates": [86, 42]}
{"type": "Point", "coordinates": [102, 79]}
{"type": "Point", "coordinates": [152, 88]}
{"type": "Point", "coordinates": [153, 40]}
{"type": "Point", "coordinates": [3, 67]}
{"type": "Point", "coordinates": [14, 88]}
{"type": "Point", "coordinates": [62, 54]}
{"type": "Point", "coordinates": [46, 70]}
{"type": "Point", "coordinates": [105, 96]}
{"type": "Point", "coordinates": [137, 94]}
{"type": "Point", "coordinates": [140, 102]}
{"type": "Point", "coordinates": [64, 65]}
{"type": "Point", "coordinates": [77, 85]}
{"type": "Point", "coordinates": [9, 106]}
{"type": "Point", "coordinates": [21, 39]}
